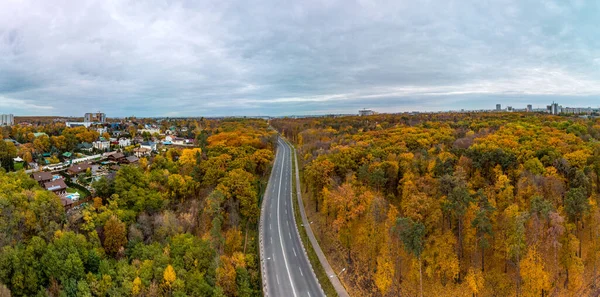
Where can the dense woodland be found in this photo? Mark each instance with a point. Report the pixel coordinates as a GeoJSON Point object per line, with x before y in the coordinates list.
{"type": "Point", "coordinates": [472, 204]}
{"type": "Point", "coordinates": [182, 223]}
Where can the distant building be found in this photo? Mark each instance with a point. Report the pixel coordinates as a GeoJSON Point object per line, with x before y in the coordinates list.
{"type": "Point", "coordinates": [498, 107]}
{"type": "Point", "coordinates": [78, 124]}
{"type": "Point", "coordinates": [529, 108]}
{"type": "Point", "coordinates": [365, 112]}
{"type": "Point", "coordinates": [152, 131]}
{"type": "Point", "coordinates": [554, 108]}
{"type": "Point", "coordinates": [7, 119]}
{"type": "Point", "coordinates": [509, 108]}
{"type": "Point", "coordinates": [97, 117]}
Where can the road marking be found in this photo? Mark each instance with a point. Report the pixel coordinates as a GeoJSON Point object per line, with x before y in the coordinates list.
{"type": "Point", "coordinates": [277, 276]}
{"type": "Point", "coordinates": [300, 271]}
{"type": "Point", "coordinates": [271, 240]}
{"type": "Point", "coordinates": [294, 252]}
{"type": "Point", "coordinates": [279, 227]}
{"type": "Point", "coordinates": [308, 294]}
{"type": "Point", "coordinates": [270, 226]}
{"type": "Point", "coordinates": [290, 235]}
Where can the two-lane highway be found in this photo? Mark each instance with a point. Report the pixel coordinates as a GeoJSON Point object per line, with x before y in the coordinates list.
{"type": "Point", "coordinates": [286, 269]}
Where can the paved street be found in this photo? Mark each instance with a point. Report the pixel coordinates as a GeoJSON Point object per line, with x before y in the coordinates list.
{"type": "Point", "coordinates": [288, 270]}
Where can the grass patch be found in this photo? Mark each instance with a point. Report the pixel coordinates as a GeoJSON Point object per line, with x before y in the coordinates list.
{"type": "Point", "coordinates": [312, 256]}
{"type": "Point", "coordinates": [18, 166]}
{"type": "Point", "coordinates": [82, 195]}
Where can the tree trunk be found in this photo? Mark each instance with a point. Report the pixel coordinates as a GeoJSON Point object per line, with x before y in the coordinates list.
{"type": "Point", "coordinates": [246, 237]}
{"type": "Point", "coordinates": [420, 276]}
{"type": "Point", "coordinates": [482, 260]}
{"type": "Point", "coordinates": [460, 253]}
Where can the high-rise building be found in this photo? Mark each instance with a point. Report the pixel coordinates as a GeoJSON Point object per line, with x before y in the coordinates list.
{"type": "Point", "coordinates": [498, 107]}
{"type": "Point", "coordinates": [555, 109]}
{"type": "Point", "coordinates": [365, 112]}
{"type": "Point", "coordinates": [529, 108]}
{"type": "Point", "coordinates": [97, 117]}
{"type": "Point", "coordinates": [7, 119]}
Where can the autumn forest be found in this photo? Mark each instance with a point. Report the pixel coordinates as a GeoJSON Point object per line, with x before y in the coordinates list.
{"type": "Point", "coordinates": [441, 204]}
{"type": "Point", "coordinates": [449, 204]}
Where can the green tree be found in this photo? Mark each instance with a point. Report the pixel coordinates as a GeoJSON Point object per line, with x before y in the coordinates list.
{"type": "Point", "coordinates": [412, 234]}
{"type": "Point", "coordinates": [483, 225]}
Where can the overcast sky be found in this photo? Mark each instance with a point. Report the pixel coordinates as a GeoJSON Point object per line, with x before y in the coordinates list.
{"type": "Point", "coordinates": [274, 57]}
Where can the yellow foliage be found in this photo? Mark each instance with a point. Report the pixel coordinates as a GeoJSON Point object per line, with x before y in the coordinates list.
{"type": "Point", "coordinates": [169, 275]}
{"type": "Point", "coordinates": [475, 280]}
{"type": "Point", "coordinates": [137, 286]}
{"type": "Point", "coordinates": [534, 275]}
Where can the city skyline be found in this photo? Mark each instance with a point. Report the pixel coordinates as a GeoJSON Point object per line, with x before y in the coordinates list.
{"type": "Point", "coordinates": [238, 58]}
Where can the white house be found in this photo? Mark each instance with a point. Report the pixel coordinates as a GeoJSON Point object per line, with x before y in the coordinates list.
{"type": "Point", "coordinates": [152, 131]}
{"type": "Point", "coordinates": [141, 152]}
{"type": "Point", "coordinates": [180, 141]}
{"type": "Point", "coordinates": [101, 145]}
{"type": "Point", "coordinates": [123, 142]}
{"type": "Point", "coordinates": [148, 145]}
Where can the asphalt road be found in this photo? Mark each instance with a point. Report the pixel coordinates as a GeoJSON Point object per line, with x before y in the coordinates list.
{"type": "Point", "coordinates": [287, 270]}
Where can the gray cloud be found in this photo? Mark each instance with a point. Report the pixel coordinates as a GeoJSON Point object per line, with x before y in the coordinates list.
{"type": "Point", "coordinates": [154, 58]}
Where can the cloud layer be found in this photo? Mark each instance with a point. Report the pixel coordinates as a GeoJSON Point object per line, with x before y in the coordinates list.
{"type": "Point", "coordinates": [268, 57]}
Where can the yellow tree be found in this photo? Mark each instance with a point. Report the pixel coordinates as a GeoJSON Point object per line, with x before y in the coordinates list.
{"type": "Point", "coordinates": [475, 281]}
{"type": "Point", "coordinates": [189, 157]}
{"type": "Point", "coordinates": [136, 288]}
{"type": "Point", "coordinates": [169, 277]}
{"type": "Point", "coordinates": [536, 279]}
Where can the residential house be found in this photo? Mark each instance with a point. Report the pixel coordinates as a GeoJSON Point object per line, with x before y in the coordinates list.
{"type": "Point", "coordinates": [57, 186]}
{"type": "Point", "coordinates": [38, 134]}
{"type": "Point", "coordinates": [123, 142]}
{"type": "Point", "coordinates": [85, 146]}
{"type": "Point", "coordinates": [138, 139]}
{"type": "Point", "coordinates": [150, 130]}
{"type": "Point", "coordinates": [131, 160]}
{"type": "Point", "coordinates": [117, 157]}
{"type": "Point", "coordinates": [79, 168]}
{"type": "Point", "coordinates": [180, 141]}
{"type": "Point", "coordinates": [149, 145]}
{"type": "Point", "coordinates": [101, 145]}
{"type": "Point", "coordinates": [42, 177]}
{"type": "Point", "coordinates": [141, 152]}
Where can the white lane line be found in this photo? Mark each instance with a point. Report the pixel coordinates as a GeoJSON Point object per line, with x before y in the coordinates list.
{"type": "Point", "coordinates": [308, 294]}
{"type": "Point", "coordinates": [290, 234]}
{"type": "Point", "coordinates": [277, 276]}
{"type": "Point", "coordinates": [279, 229]}
{"type": "Point", "coordinates": [271, 240]}
{"type": "Point", "coordinates": [270, 226]}
{"type": "Point", "coordinates": [300, 271]}
{"type": "Point", "coordinates": [294, 252]}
